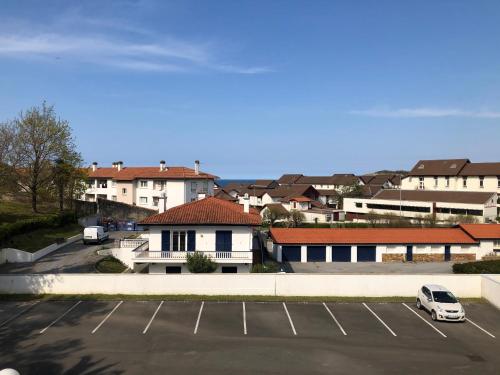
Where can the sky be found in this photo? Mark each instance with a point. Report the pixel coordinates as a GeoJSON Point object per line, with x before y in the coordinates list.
{"type": "Point", "coordinates": [255, 89]}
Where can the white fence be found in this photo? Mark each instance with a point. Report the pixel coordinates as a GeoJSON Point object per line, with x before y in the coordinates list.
{"type": "Point", "coordinates": [10, 255]}
{"type": "Point", "coordinates": [249, 284]}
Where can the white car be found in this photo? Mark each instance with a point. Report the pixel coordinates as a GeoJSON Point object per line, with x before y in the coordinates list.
{"type": "Point", "coordinates": [94, 234]}
{"type": "Point", "coordinates": [441, 303]}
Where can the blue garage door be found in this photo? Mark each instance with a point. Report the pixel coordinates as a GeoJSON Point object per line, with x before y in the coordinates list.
{"type": "Point", "coordinates": [316, 253]}
{"type": "Point", "coordinates": [341, 253]}
{"type": "Point", "coordinates": [366, 253]}
{"type": "Point", "coordinates": [290, 253]}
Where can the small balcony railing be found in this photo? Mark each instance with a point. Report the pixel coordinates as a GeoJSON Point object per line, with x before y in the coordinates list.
{"type": "Point", "coordinates": [216, 256]}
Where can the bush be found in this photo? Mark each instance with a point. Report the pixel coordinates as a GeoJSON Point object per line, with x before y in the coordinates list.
{"type": "Point", "coordinates": [265, 268]}
{"type": "Point", "coordinates": [200, 263]}
{"type": "Point", "coordinates": [484, 266]}
{"type": "Point", "coordinates": [110, 264]}
{"type": "Point", "coordinates": [9, 230]}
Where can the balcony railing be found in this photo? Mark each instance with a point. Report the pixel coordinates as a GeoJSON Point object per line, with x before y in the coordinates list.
{"type": "Point", "coordinates": [216, 256]}
{"type": "Point", "coordinates": [133, 243]}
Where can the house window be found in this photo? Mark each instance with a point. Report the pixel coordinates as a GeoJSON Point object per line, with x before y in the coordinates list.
{"type": "Point", "coordinates": [359, 205]}
{"type": "Point", "coordinates": [481, 182]}
{"type": "Point", "coordinates": [143, 184]}
{"type": "Point", "coordinates": [194, 186]}
{"type": "Point", "coordinates": [421, 183]}
{"type": "Point", "coordinates": [447, 179]}
{"type": "Point", "coordinates": [90, 183]}
{"type": "Point", "coordinates": [113, 198]}
{"type": "Point", "coordinates": [179, 241]}
{"type": "Point", "coordinates": [435, 182]}
{"type": "Point", "coordinates": [160, 185]}
{"type": "Point", "coordinates": [124, 191]}
{"type": "Point", "coordinates": [498, 181]}
{"type": "Point", "coordinates": [156, 200]}
{"type": "Point", "coordinates": [143, 200]}
{"type": "Point", "coordinates": [103, 184]}
{"type": "Point", "coordinates": [464, 182]}
{"type": "Point", "coordinates": [113, 183]}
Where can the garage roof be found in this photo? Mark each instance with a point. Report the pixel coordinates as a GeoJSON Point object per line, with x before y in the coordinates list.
{"type": "Point", "coordinates": [482, 231]}
{"type": "Point", "coordinates": [353, 236]}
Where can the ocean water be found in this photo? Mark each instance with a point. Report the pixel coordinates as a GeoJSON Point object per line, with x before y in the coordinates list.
{"type": "Point", "coordinates": [224, 182]}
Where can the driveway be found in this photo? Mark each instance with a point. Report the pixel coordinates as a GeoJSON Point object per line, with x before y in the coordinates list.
{"type": "Point", "coordinates": [72, 258]}
{"type": "Point", "coordinates": [369, 267]}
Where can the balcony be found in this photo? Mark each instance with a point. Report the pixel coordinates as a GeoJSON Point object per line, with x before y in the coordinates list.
{"type": "Point", "coordinates": [181, 256]}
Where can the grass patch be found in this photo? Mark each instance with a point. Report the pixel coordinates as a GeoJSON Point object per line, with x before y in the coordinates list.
{"type": "Point", "coordinates": [40, 238]}
{"type": "Point", "coordinates": [110, 264]}
{"type": "Point", "coordinates": [219, 298]}
{"type": "Point", "coordinates": [483, 266]}
{"type": "Point", "coordinates": [12, 211]}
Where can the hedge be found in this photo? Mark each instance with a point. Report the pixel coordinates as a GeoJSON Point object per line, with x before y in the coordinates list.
{"type": "Point", "coordinates": [9, 230]}
{"type": "Point", "coordinates": [483, 266]}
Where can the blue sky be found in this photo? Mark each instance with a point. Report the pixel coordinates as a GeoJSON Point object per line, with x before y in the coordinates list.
{"type": "Point", "coordinates": [261, 88]}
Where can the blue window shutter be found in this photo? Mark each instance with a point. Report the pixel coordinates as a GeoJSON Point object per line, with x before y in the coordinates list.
{"type": "Point", "coordinates": [191, 245]}
{"type": "Point", "coordinates": [165, 240]}
{"type": "Point", "coordinates": [229, 241]}
{"type": "Point", "coordinates": [223, 240]}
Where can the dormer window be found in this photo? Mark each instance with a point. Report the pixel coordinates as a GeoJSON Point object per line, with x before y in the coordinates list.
{"type": "Point", "coordinates": [453, 166]}
{"type": "Point", "coordinates": [421, 166]}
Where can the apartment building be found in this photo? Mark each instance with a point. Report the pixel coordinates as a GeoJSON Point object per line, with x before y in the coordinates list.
{"type": "Point", "coordinates": [159, 188]}
{"type": "Point", "coordinates": [454, 175]}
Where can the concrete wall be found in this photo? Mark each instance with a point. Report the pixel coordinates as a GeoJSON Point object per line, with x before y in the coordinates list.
{"type": "Point", "coordinates": [490, 289]}
{"type": "Point", "coordinates": [246, 284]}
{"type": "Point", "coordinates": [123, 211]}
{"type": "Point", "coordinates": [160, 268]}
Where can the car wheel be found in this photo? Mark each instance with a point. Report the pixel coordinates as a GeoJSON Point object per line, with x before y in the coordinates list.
{"type": "Point", "coordinates": [433, 315]}
{"type": "Point", "coordinates": [419, 304]}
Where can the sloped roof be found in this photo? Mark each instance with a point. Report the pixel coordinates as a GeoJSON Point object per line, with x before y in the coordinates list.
{"type": "Point", "coordinates": [222, 194]}
{"type": "Point", "coordinates": [445, 167]}
{"type": "Point", "coordinates": [315, 180]}
{"type": "Point", "coordinates": [344, 179]}
{"type": "Point", "coordinates": [287, 179]}
{"type": "Point", "coordinates": [133, 173]}
{"type": "Point", "coordinates": [481, 169]}
{"type": "Point", "coordinates": [328, 236]}
{"type": "Point", "coordinates": [470, 197]}
{"type": "Point", "coordinates": [208, 211]}
{"type": "Point", "coordinates": [277, 207]}
{"type": "Point", "coordinates": [482, 231]}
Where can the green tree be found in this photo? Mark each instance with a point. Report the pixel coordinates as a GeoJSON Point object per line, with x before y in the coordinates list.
{"type": "Point", "coordinates": [6, 144]}
{"type": "Point", "coordinates": [200, 263]}
{"type": "Point", "coordinates": [68, 177]}
{"type": "Point", "coordinates": [40, 139]}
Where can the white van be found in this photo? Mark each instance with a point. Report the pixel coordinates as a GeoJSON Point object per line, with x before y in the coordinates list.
{"type": "Point", "coordinates": [94, 234]}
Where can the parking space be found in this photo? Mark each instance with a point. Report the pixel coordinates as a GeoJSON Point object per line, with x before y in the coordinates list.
{"type": "Point", "coordinates": [122, 330]}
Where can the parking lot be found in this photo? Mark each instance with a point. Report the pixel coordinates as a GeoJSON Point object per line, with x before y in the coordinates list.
{"type": "Point", "coordinates": [139, 337]}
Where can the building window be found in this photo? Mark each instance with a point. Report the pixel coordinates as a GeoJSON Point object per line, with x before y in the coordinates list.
{"type": "Point", "coordinates": [447, 179]}
{"type": "Point", "coordinates": [160, 185]}
{"type": "Point", "coordinates": [498, 181]}
{"type": "Point", "coordinates": [179, 241]}
{"type": "Point", "coordinates": [194, 186]}
{"type": "Point", "coordinates": [435, 182]}
{"type": "Point", "coordinates": [103, 184]}
{"type": "Point", "coordinates": [113, 198]}
{"type": "Point", "coordinates": [481, 182]}
{"type": "Point", "coordinates": [143, 200]}
{"type": "Point", "coordinates": [90, 184]}
{"type": "Point", "coordinates": [113, 183]}
{"type": "Point", "coordinates": [156, 200]}
{"type": "Point", "coordinates": [421, 183]}
{"type": "Point", "coordinates": [359, 205]}
{"type": "Point", "coordinates": [124, 191]}
{"type": "Point", "coordinates": [464, 182]}
{"type": "Point", "coordinates": [143, 184]}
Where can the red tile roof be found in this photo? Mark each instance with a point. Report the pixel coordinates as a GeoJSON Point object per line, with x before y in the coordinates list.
{"type": "Point", "coordinates": [482, 231]}
{"type": "Point", "coordinates": [301, 198]}
{"type": "Point", "coordinates": [208, 211]}
{"type": "Point", "coordinates": [133, 173]}
{"type": "Point", "coordinates": [327, 236]}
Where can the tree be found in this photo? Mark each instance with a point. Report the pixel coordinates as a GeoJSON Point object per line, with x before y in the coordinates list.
{"type": "Point", "coordinates": [273, 214]}
{"type": "Point", "coordinates": [373, 218]}
{"type": "Point", "coordinates": [68, 177]}
{"type": "Point", "coordinates": [354, 190]}
{"type": "Point", "coordinates": [40, 139]}
{"type": "Point", "coordinates": [200, 263]}
{"type": "Point", "coordinates": [295, 219]}
{"type": "Point", "coordinates": [6, 143]}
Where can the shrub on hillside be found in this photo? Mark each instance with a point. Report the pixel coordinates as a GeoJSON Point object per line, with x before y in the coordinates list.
{"type": "Point", "coordinates": [200, 263]}
{"type": "Point", "coordinates": [483, 266]}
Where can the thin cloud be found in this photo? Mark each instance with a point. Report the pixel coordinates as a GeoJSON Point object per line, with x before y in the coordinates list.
{"type": "Point", "coordinates": [425, 112]}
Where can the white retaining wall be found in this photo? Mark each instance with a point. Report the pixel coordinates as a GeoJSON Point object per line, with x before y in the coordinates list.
{"type": "Point", "coordinates": [10, 255]}
{"type": "Point", "coordinates": [242, 284]}
{"type": "Point", "coordinates": [490, 289]}
{"type": "Point", "coordinates": [124, 255]}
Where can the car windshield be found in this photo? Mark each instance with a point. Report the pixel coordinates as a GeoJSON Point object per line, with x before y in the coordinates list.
{"type": "Point", "coordinates": [444, 297]}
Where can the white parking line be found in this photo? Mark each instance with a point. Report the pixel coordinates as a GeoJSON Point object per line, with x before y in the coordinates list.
{"type": "Point", "coordinates": [335, 319]}
{"type": "Point", "coordinates": [482, 329]}
{"type": "Point", "coordinates": [244, 319]}
{"type": "Point", "coordinates": [290, 319]}
{"type": "Point", "coordinates": [18, 314]}
{"type": "Point", "coordinates": [199, 317]}
{"type": "Point", "coordinates": [151, 320]}
{"type": "Point", "coordinates": [380, 320]}
{"type": "Point", "coordinates": [62, 316]}
{"type": "Point", "coordinates": [434, 328]}
{"type": "Point", "coordinates": [107, 316]}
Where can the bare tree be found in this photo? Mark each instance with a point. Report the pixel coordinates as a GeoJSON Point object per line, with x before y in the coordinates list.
{"type": "Point", "coordinates": [273, 214]}
{"type": "Point", "coordinates": [40, 139]}
{"type": "Point", "coordinates": [295, 219]}
{"type": "Point", "coordinates": [6, 144]}
{"type": "Point", "coordinates": [354, 190]}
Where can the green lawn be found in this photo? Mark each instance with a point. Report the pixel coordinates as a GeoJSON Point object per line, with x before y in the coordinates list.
{"type": "Point", "coordinates": [11, 211]}
{"type": "Point", "coordinates": [40, 238]}
{"type": "Point", "coordinates": [110, 265]}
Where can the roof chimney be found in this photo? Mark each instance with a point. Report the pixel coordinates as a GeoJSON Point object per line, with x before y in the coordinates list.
{"type": "Point", "coordinates": [196, 167]}
{"type": "Point", "coordinates": [162, 165]}
{"type": "Point", "coordinates": [94, 166]}
{"type": "Point", "coordinates": [246, 204]}
{"type": "Point", "coordinates": [119, 165]}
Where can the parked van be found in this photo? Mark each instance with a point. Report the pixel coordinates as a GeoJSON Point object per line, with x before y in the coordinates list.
{"type": "Point", "coordinates": [94, 234]}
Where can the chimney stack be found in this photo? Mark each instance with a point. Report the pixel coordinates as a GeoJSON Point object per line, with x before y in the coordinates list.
{"type": "Point", "coordinates": [162, 165]}
{"type": "Point", "coordinates": [119, 165]}
{"type": "Point", "coordinates": [196, 167]}
{"type": "Point", "coordinates": [94, 166]}
{"type": "Point", "coordinates": [246, 204]}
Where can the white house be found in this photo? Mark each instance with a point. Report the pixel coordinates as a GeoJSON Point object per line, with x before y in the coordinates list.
{"type": "Point", "coordinates": [417, 204]}
{"type": "Point", "coordinates": [218, 228]}
{"type": "Point", "coordinates": [464, 243]}
{"type": "Point", "coordinates": [159, 187]}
